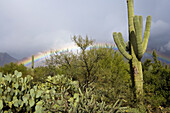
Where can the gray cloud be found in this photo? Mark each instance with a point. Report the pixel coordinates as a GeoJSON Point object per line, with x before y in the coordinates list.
{"type": "Point", "coordinates": [167, 46]}
{"type": "Point", "coordinates": [159, 27]}
{"type": "Point", "coordinates": [28, 26]}
{"type": "Point", "coordinates": [160, 36]}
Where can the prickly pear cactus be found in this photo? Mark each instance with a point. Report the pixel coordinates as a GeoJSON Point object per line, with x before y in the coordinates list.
{"type": "Point", "coordinates": [17, 94]}
{"type": "Point", "coordinates": [58, 94]}
{"type": "Point", "coordinates": [64, 95]}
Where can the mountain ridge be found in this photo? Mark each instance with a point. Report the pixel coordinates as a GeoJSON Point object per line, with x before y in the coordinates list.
{"type": "Point", "coordinates": [5, 58]}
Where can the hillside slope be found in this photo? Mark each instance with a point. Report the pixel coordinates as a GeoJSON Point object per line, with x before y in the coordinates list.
{"type": "Point", "coordinates": [5, 58]}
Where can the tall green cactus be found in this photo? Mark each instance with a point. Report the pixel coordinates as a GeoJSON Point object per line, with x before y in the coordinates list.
{"type": "Point", "coordinates": [136, 48]}
{"type": "Point", "coordinates": [32, 61]}
{"type": "Point", "coordinates": [32, 67]}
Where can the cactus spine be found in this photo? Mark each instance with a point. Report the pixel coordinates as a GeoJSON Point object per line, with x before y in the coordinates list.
{"type": "Point", "coordinates": [136, 48]}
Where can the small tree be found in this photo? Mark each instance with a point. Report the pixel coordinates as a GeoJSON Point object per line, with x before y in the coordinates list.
{"type": "Point", "coordinates": [88, 60]}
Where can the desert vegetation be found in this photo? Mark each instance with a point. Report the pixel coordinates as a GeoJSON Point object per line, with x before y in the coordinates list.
{"type": "Point", "coordinates": [95, 79]}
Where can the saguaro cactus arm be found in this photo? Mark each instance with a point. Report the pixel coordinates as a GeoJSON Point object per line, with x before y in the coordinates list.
{"type": "Point", "coordinates": [120, 47]}
{"type": "Point", "coordinates": [146, 34]}
{"type": "Point", "coordinates": [138, 33]}
{"type": "Point", "coordinates": [122, 40]}
{"type": "Point", "coordinates": [141, 25]}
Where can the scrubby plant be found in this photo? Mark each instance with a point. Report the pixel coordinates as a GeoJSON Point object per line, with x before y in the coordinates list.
{"type": "Point", "coordinates": [11, 67]}
{"type": "Point", "coordinates": [65, 95]}
{"type": "Point", "coordinates": [156, 83]}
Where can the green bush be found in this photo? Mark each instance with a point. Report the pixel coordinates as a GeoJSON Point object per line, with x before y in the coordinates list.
{"type": "Point", "coordinates": [156, 83]}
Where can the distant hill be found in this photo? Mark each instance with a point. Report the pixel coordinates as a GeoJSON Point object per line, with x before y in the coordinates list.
{"type": "Point", "coordinates": [5, 58]}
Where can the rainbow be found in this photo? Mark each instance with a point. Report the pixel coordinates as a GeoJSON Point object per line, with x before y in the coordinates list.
{"type": "Point", "coordinates": [37, 58]}
{"type": "Point", "coordinates": [46, 54]}
{"type": "Point", "coordinates": [160, 56]}
{"type": "Point", "coordinates": [43, 55]}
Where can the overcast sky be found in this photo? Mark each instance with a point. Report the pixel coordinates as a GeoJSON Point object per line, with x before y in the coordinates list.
{"type": "Point", "coordinates": [31, 26]}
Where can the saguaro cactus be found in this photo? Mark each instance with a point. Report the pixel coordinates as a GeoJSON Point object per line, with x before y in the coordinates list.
{"type": "Point", "coordinates": [135, 47]}
{"type": "Point", "coordinates": [32, 61]}
{"type": "Point", "coordinates": [32, 67]}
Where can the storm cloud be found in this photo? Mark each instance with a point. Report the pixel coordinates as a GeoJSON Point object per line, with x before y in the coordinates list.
{"type": "Point", "coordinates": [31, 26]}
